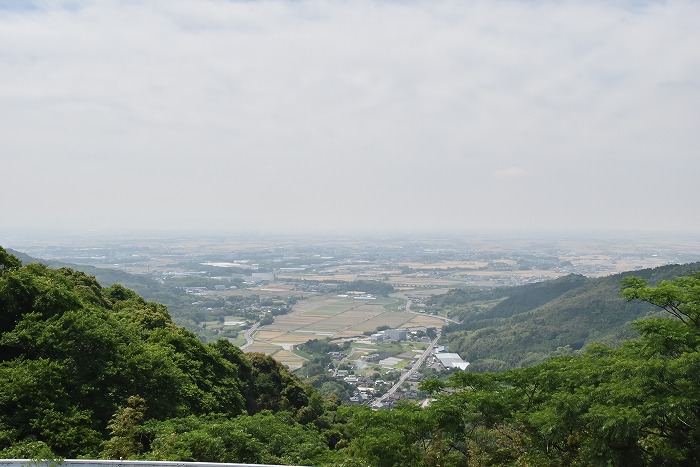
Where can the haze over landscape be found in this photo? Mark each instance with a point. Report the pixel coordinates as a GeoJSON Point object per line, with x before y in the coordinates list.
{"type": "Point", "coordinates": [374, 232]}
{"type": "Point", "coordinates": [366, 116]}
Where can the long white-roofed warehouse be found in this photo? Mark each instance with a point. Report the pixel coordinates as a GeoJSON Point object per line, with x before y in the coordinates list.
{"type": "Point", "coordinates": [451, 360]}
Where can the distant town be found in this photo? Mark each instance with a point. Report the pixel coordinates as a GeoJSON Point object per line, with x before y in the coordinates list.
{"type": "Point", "coordinates": [363, 301]}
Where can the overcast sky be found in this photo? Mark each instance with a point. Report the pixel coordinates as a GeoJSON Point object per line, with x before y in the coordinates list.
{"type": "Point", "coordinates": [349, 115]}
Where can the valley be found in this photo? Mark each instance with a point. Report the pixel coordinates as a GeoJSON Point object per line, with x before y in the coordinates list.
{"type": "Point", "coordinates": [272, 295]}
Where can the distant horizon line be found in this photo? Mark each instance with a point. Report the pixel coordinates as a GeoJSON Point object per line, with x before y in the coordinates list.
{"type": "Point", "coordinates": [250, 234]}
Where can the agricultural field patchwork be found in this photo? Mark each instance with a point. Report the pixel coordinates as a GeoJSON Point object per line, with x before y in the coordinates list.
{"type": "Point", "coordinates": [330, 316]}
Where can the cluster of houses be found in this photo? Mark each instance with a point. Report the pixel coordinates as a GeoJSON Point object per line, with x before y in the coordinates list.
{"type": "Point", "coordinates": [367, 389]}
{"type": "Point", "coordinates": [399, 335]}
{"type": "Point", "coordinates": [396, 335]}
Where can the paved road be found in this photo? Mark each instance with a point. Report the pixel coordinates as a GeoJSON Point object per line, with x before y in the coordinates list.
{"type": "Point", "coordinates": [417, 364]}
{"type": "Point", "coordinates": [408, 309]}
{"type": "Point", "coordinates": [405, 376]}
{"type": "Point", "coordinates": [249, 336]}
{"type": "Point", "coordinates": [434, 316]}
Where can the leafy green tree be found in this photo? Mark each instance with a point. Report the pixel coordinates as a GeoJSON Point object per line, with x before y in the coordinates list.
{"type": "Point", "coordinates": [71, 352]}
{"type": "Point", "coordinates": [261, 438]}
{"type": "Point", "coordinates": [679, 297]}
{"type": "Point", "coordinates": [635, 405]}
{"type": "Point", "coordinates": [399, 436]}
{"type": "Point", "coordinates": [273, 387]}
{"type": "Point", "coordinates": [28, 450]}
{"type": "Point", "coordinates": [124, 427]}
{"type": "Point", "coordinates": [8, 261]}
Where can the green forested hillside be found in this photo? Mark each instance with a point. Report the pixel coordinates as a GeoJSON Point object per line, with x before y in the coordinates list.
{"type": "Point", "coordinates": [178, 303]}
{"type": "Point", "coordinates": [74, 355]}
{"type": "Point", "coordinates": [97, 372]}
{"type": "Point", "coordinates": [510, 327]}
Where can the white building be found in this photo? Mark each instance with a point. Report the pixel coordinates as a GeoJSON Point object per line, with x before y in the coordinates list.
{"type": "Point", "coordinates": [450, 361]}
{"type": "Point", "coordinates": [396, 334]}
{"type": "Point", "coordinates": [262, 276]}
{"type": "Point", "coordinates": [376, 338]}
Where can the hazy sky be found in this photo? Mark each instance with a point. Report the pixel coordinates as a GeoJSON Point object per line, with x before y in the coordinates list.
{"type": "Point", "coordinates": [349, 115]}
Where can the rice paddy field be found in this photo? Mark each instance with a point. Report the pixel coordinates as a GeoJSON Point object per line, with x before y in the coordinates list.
{"type": "Point", "coordinates": [333, 317]}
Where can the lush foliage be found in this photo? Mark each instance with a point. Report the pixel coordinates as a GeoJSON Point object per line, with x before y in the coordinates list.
{"type": "Point", "coordinates": [511, 327]}
{"type": "Point", "coordinates": [76, 357]}
{"type": "Point", "coordinates": [89, 371]}
{"type": "Point", "coordinates": [635, 405]}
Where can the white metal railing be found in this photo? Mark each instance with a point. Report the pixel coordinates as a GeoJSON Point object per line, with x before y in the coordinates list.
{"type": "Point", "coordinates": [117, 463]}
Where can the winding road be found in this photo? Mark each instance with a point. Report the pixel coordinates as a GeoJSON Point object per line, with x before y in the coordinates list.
{"type": "Point", "coordinates": [249, 335]}
{"type": "Point", "coordinates": [416, 365]}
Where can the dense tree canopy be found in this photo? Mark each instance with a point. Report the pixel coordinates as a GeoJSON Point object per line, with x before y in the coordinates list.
{"type": "Point", "coordinates": [510, 327]}
{"type": "Point", "coordinates": [74, 354]}
{"type": "Point", "coordinates": [89, 371]}
{"type": "Point", "coordinates": [635, 405]}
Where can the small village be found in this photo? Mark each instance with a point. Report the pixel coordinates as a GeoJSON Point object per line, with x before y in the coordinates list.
{"type": "Point", "coordinates": [400, 375]}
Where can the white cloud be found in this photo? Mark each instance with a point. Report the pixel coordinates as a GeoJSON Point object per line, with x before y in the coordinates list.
{"type": "Point", "coordinates": [347, 114]}
{"type": "Point", "coordinates": [510, 173]}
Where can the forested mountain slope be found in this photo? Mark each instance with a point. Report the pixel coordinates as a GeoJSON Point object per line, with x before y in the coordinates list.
{"type": "Point", "coordinates": [178, 303]}
{"type": "Point", "coordinates": [75, 355]}
{"type": "Point", "coordinates": [97, 372]}
{"type": "Point", "coordinates": [510, 327]}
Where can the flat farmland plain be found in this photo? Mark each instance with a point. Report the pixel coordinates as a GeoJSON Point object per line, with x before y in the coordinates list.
{"type": "Point", "coordinates": [330, 316]}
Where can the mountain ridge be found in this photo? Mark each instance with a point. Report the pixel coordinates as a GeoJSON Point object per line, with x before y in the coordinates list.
{"type": "Point", "coordinates": [518, 326]}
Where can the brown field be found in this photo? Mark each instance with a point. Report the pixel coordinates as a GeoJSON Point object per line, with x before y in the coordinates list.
{"type": "Point", "coordinates": [318, 277]}
{"type": "Point", "coordinates": [269, 290]}
{"type": "Point", "coordinates": [424, 293]}
{"type": "Point", "coordinates": [449, 265]}
{"type": "Point", "coordinates": [422, 320]}
{"type": "Point", "coordinates": [422, 282]}
{"type": "Point", "coordinates": [330, 316]}
{"type": "Point", "coordinates": [263, 347]}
